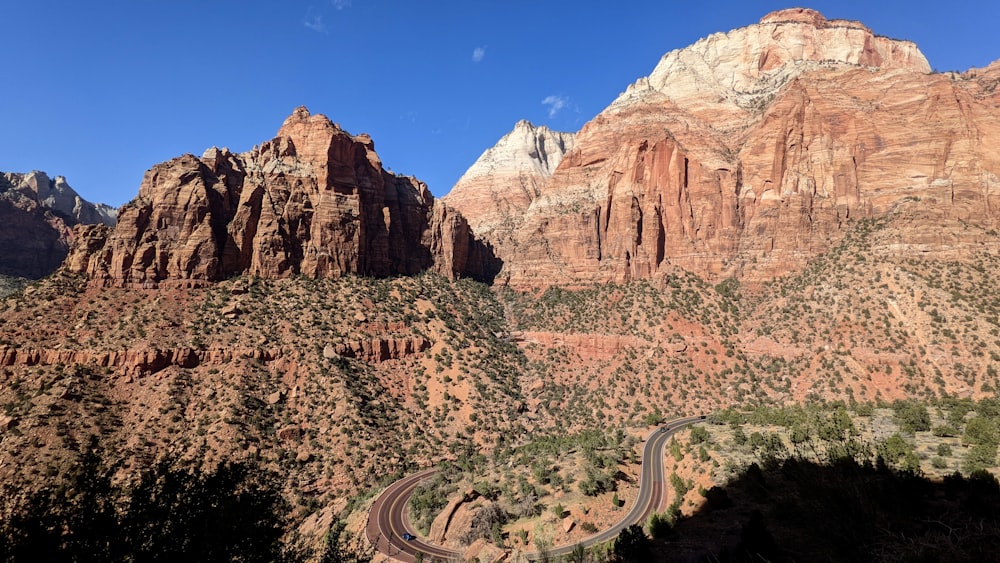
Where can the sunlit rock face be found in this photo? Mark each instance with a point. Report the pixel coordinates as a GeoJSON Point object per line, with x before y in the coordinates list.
{"type": "Point", "coordinates": [314, 201]}
{"type": "Point", "coordinates": [752, 151]}
{"type": "Point", "coordinates": [495, 192]}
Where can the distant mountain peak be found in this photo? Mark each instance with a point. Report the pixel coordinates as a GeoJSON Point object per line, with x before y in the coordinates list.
{"type": "Point", "coordinates": [526, 147]}
{"type": "Point", "coordinates": [37, 214]}
{"type": "Point", "coordinates": [495, 192]}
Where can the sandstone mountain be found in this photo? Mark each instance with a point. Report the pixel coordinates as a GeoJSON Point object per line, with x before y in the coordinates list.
{"type": "Point", "coordinates": [749, 152]}
{"type": "Point", "coordinates": [37, 214]}
{"type": "Point", "coordinates": [315, 201]}
{"type": "Point", "coordinates": [494, 192]}
{"type": "Point", "coordinates": [184, 334]}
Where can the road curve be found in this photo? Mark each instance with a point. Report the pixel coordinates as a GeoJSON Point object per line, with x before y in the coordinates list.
{"type": "Point", "coordinates": [387, 522]}
{"type": "Point", "coordinates": [387, 519]}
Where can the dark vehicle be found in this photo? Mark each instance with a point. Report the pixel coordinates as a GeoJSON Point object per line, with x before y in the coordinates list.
{"type": "Point", "coordinates": [408, 536]}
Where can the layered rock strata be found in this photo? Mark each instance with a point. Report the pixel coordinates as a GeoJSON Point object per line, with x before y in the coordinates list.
{"type": "Point", "coordinates": [313, 201]}
{"type": "Point", "coordinates": [495, 191]}
{"type": "Point", "coordinates": [752, 151]}
{"type": "Point", "coordinates": [146, 360]}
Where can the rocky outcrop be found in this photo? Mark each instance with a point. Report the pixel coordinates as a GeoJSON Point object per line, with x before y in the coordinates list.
{"type": "Point", "coordinates": [313, 201]}
{"type": "Point", "coordinates": [751, 151]}
{"type": "Point", "coordinates": [377, 350]}
{"type": "Point", "coordinates": [37, 214]}
{"type": "Point", "coordinates": [134, 361]}
{"type": "Point", "coordinates": [497, 189]}
{"type": "Point", "coordinates": [441, 527]}
{"type": "Point", "coordinates": [146, 360]}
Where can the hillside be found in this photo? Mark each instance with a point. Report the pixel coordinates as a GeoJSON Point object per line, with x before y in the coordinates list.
{"type": "Point", "coordinates": [340, 384]}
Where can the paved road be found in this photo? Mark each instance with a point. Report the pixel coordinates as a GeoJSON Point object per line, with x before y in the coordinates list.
{"type": "Point", "coordinates": [387, 520]}
{"type": "Point", "coordinates": [651, 484]}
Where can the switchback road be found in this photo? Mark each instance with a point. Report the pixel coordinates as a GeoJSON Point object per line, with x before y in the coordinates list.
{"type": "Point", "coordinates": [387, 520]}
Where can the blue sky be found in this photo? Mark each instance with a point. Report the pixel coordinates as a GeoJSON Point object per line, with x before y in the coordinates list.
{"type": "Point", "coordinates": [101, 91]}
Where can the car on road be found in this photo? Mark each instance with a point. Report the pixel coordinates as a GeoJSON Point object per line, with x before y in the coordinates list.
{"type": "Point", "coordinates": [408, 536]}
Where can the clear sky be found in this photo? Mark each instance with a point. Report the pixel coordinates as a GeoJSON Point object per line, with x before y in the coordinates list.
{"type": "Point", "coordinates": [100, 91]}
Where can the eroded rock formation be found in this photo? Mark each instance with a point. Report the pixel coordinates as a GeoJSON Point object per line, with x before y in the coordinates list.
{"type": "Point", "coordinates": [752, 151]}
{"type": "Point", "coordinates": [314, 201]}
{"type": "Point", "coordinates": [37, 214]}
{"type": "Point", "coordinates": [494, 193]}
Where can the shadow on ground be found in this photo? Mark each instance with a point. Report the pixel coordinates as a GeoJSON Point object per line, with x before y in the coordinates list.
{"type": "Point", "coordinates": [795, 510]}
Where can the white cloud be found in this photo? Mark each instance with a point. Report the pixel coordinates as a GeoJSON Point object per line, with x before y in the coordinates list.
{"type": "Point", "coordinates": [315, 23]}
{"type": "Point", "coordinates": [555, 104]}
{"type": "Point", "coordinates": [478, 53]}
{"type": "Point", "coordinates": [341, 4]}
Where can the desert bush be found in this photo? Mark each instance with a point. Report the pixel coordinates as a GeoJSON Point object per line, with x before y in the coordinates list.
{"type": "Point", "coordinates": [912, 416]}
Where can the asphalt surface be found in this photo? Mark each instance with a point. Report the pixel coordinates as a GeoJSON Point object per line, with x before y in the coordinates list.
{"type": "Point", "coordinates": [387, 520]}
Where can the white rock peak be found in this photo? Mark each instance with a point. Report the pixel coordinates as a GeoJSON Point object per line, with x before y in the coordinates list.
{"type": "Point", "coordinates": [527, 148]}
{"type": "Point", "coordinates": [746, 65]}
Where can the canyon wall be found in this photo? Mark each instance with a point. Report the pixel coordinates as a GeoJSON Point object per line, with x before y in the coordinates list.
{"type": "Point", "coordinates": [314, 201]}
{"type": "Point", "coordinates": [752, 151]}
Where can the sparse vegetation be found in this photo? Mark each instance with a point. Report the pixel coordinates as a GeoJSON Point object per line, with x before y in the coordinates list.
{"type": "Point", "coordinates": [537, 398]}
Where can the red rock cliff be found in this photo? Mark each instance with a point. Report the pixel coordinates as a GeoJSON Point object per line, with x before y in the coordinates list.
{"type": "Point", "coordinates": [315, 201]}
{"type": "Point", "coordinates": [750, 152]}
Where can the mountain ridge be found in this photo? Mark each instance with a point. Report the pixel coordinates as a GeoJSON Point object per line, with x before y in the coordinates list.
{"type": "Point", "coordinates": [37, 214]}
{"type": "Point", "coordinates": [751, 177]}
{"type": "Point", "coordinates": [314, 200]}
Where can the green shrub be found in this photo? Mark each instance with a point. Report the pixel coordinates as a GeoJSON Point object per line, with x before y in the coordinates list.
{"type": "Point", "coordinates": [945, 431]}
{"type": "Point", "coordinates": [658, 525]}
{"type": "Point", "coordinates": [699, 435]}
{"type": "Point", "coordinates": [912, 416]}
{"type": "Point", "coordinates": [980, 430]}
{"type": "Point", "coordinates": [980, 457]}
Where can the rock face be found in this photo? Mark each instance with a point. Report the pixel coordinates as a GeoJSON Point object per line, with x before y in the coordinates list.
{"type": "Point", "coordinates": [495, 192]}
{"type": "Point", "coordinates": [749, 152]}
{"type": "Point", "coordinates": [37, 214]}
{"type": "Point", "coordinates": [314, 201]}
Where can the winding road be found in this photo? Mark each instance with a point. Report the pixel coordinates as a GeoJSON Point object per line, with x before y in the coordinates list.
{"type": "Point", "coordinates": [388, 521]}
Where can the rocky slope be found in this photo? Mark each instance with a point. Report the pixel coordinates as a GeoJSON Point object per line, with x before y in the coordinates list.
{"type": "Point", "coordinates": [338, 383]}
{"type": "Point", "coordinates": [497, 189]}
{"type": "Point", "coordinates": [314, 201]}
{"type": "Point", "coordinates": [749, 152]}
{"type": "Point", "coordinates": [37, 214]}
